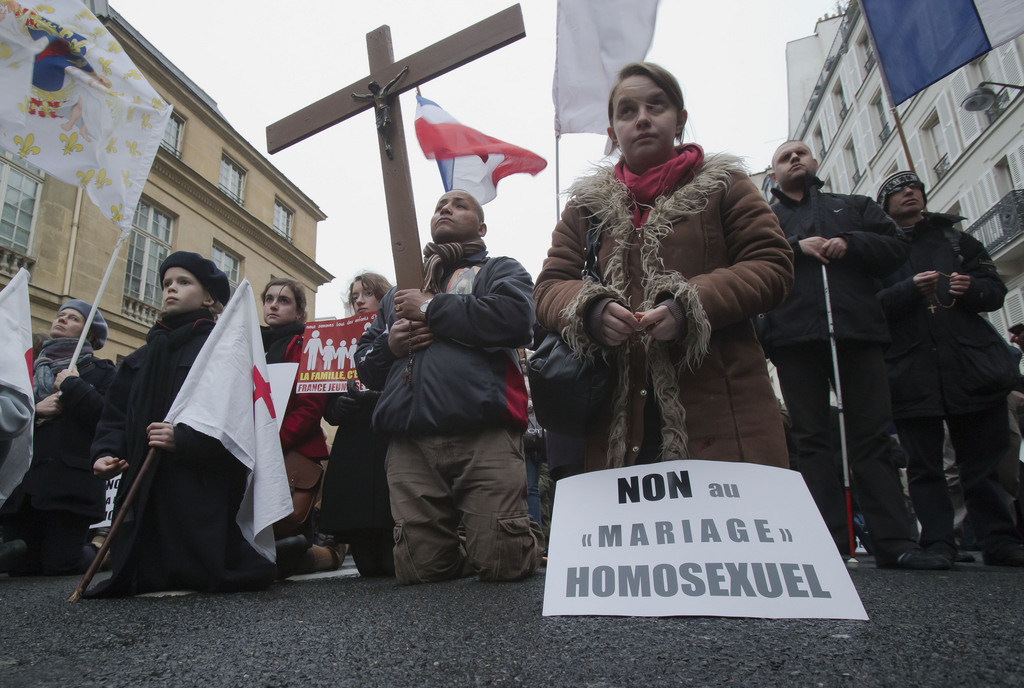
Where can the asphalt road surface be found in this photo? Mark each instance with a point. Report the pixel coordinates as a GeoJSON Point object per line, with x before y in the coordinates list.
{"type": "Point", "coordinates": [956, 628]}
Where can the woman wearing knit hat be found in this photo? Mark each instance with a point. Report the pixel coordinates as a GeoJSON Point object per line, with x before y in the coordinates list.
{"type": "Point", "coordinates": [59, 497]}
{"type": "Point", "coordinates": [181, 532]}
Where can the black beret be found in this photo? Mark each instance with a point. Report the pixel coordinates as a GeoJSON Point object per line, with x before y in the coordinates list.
{"type": "Point", "coordinates": [205, 270]}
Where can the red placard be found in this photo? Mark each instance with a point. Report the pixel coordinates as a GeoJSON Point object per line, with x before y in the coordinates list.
{"type": "Point", "coordinates": [328, 362]}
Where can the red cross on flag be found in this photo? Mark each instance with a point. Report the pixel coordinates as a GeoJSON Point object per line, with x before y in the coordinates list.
{"type": "Point", "coordinates": [226, 396]}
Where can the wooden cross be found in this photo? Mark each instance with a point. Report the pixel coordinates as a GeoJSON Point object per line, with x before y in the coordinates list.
{"type": "Point", "coordinates": [465, 46]}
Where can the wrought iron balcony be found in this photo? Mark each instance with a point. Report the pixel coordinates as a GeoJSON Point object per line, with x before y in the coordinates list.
{"type": "Point", "coordinates": [998, 107]}
{"type": "Point", "coordinates": [857, 176]}
{"type": "Point", "coordinates": [822, 152]}
{"type": "Point", "coordinates": [886, 132]}
{"type": "Point", "coordinates": [869, 63]}
{"type": "Point", "coordinates": [844, 111]}
{"type": "Point", "coordinates": [1001, 223]}
{"type": "Point", "coordinates": [942, 167]}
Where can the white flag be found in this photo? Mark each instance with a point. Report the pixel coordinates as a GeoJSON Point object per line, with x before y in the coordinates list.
{"type": "Point", "coordinates": [593, 40]}
{"type": "Point", "coordinates": [227, 396]}
{"type": "Point", "coordinates": [16, 378]}
{"type": "Point", "coordinates": [73, 104]}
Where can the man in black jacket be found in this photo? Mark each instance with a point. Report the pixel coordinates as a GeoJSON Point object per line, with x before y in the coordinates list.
{"type": "Point", "coordinates": [946, 364]}
{"type": "Point", "coordinates": [454, 406]}
{"type": "Point", "coordinates": [856, 242]}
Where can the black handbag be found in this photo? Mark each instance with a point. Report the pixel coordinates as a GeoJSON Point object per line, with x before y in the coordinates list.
{"type": "Point", "coordinates": [566, 388]}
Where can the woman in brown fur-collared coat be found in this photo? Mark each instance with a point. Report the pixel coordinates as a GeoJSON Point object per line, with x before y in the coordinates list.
{"type": "Point", "coordinates": [689, 253]}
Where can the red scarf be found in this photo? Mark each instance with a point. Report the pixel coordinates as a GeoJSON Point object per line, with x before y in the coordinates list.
{"type": "Point", "coordinates": [645, 188]}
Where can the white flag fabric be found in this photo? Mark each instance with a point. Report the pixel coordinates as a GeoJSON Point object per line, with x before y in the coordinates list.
{"type": "Point", "coordinates": [593, 40]}
{"type": "Point", "coordinates": [16, 380]}
{"type": "Point", "coordinates": [74, 105]}
{"type": "Point", "coordinates": [227, 396]}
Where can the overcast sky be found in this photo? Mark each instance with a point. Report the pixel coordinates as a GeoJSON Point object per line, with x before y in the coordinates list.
{"type": "Point", "coordinates": [262, 60]}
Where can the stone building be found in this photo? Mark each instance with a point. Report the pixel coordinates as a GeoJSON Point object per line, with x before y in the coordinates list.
{"type": "Point", "coordinates": [972, 163]}
{"type": "Point", "coordinates": [208, 191]}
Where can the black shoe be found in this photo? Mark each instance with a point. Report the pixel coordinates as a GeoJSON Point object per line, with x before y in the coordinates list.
{"type": "Point", "coordinates": [963, 557]}
{"type": "Point", "coordinates": [918, 559]}
{"type": "Point", "coordinates": [10, 552]}
{"type": "Point", "coordinates": [1012, 556]}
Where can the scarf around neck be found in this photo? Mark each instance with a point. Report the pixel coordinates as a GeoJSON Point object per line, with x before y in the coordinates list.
{"type": "Point", "coordinates": [442, 257]}
{"type": "Point", "coordinates": [276, 339]}
{"type": "Point", "coordinates": [645, 188]}
{"type": "Point", "coordinates": [53, 358]}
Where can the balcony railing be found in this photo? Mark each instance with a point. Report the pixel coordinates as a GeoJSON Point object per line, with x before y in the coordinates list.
{"type": "Point", "coordinates": [942, 167]}
{"type": "Point", "coordinates": [139, 311]}
{"type": "Point", "coordinates": [822, 152]}
{"type": "Point", "coordinates": [1001, 223]}
{"type": "Point", "coordinates": [11, 261]}
{"type": "Point", "coordinates": [886, 132]}
{"type": "Point", "coordinates": [844, 111]}
{"type": "Point", "coordinates": [857, 176]}
{"type": "Point", "coordinates": [998, 107]}
{"type": "Point", "coordinates": [869, 63]}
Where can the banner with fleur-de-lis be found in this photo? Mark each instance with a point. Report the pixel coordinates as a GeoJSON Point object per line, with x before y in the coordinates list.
{"type": "Point", "coordinates": [73, 104]}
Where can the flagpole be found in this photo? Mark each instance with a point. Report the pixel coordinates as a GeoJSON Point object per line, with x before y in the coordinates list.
{"type": "Point", "coordinates": [96, 301]}
{"type": "Point", "coordinates": [115, 527]}
{"type": "Point", "coordinates": [558, 184]}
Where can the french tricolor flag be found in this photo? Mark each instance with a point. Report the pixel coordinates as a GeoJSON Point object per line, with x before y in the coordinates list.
{"type": "Point", "coordinates": [921, 41]}
{"type": "Point", "coordinates": [467, 159]}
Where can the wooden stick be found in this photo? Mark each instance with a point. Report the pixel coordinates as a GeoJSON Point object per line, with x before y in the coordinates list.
{"type": "Point", "coordinates": [114, 527]}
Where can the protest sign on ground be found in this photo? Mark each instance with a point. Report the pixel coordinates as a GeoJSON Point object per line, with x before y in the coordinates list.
{"type": "Point", "coordinates": [694, 538]}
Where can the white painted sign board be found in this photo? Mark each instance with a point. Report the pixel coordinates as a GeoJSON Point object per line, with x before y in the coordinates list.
{"type": "Point", "coordinates": [694, 538]}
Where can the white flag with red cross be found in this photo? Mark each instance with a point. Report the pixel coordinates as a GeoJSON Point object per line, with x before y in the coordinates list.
{"type": "Point", "coordinates": [17, 404]}
{"type": "Point", "coordinates": [227, 396]}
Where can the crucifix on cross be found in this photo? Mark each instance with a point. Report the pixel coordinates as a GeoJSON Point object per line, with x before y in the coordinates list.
{"type": "Point", "coordinates": [482, 38]}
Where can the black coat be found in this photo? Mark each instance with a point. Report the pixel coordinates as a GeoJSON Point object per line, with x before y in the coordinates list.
{"type": "Point", "coordinates": [182, 532]}
{"type": "Point", "coordinates": [944, 357]}
{"type": "Point", "coordinates": [60, 477]}
{"type": "Point", "coordinates": [874, 249]}
{"type": "Point", "coordinates": [355, 497]}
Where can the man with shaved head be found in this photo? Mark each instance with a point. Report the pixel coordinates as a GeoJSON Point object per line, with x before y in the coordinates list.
{"type": "Point", "coordinates": [857, 243]}
{"type": "Point", "coordinates": [454, 405]}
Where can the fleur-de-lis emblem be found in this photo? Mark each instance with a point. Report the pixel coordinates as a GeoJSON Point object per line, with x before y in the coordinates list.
{"type": "Point", "coordinates": [131, 113]}
{"type": "Point", "coordinates": [145, 121]}
{"type": "Point", "coordinates": [132, 74]}
{"type": "Point", "coordinates": [133, 148]}
{"type": "Point", "coordinates": [113, 47]}
{"type": "Point", "coordinates": [85, 177]}
{"type": "Point", "coordinates": [25, 145]}
{"type": "Point", "coordinates": [159, 104]}
{"type": "Point", "coordinates": [137, 100]}
{"type": "Point", "coordinates": [102, 180]}
{"type": "Point", "coordinates": [5, 51]}
{"type": "Point", "coordinates": [111, 147]}
{"type": "Point", "coordinates": [71, 144]}
{"type": "Point", "coordinates": [105, 66]}
{"type": "Point", "coordinates": [127, 178]}
{"type": "Point", "coordinates": [115, 213]}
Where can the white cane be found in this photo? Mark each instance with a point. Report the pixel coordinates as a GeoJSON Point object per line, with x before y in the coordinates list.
{"type": "Point", "coordinates": [839, 405]}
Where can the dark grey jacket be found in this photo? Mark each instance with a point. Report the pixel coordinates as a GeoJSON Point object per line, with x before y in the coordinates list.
{"type": "Point", "coordinates": [874, 250]}
{"type": "Point", "coordinates": [469, 378]}
{"type": "Point", "coordinates": [944, 357]}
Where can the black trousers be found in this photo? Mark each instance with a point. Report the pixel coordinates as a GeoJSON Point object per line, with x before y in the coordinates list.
{"type": "Point", "coordinates": [806, 375]}
{"type": "Point", "coordinates": [980, 440]}
{"type": "Point", "coordinates": [56, 541]}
